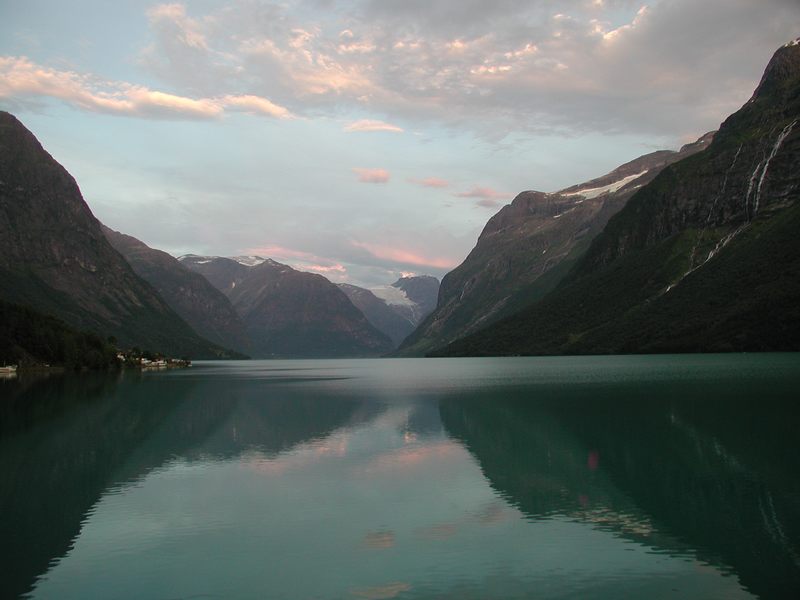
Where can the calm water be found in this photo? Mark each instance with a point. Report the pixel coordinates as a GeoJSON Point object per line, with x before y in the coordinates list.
{"type": "Point", "coordinates": [603, 477]}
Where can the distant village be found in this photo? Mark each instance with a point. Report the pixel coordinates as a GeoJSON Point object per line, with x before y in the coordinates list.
{"type": "Point", "coordinates": [144, 360]}
{"type": "Point", "coordinates": [126, 359]}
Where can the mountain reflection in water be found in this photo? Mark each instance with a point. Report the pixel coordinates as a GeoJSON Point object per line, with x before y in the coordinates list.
{"type": "Point", "coordinates": [454, 478]}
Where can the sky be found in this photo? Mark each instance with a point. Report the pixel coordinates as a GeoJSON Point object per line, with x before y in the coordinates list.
{"type": "Point", "coordinates": [366, 139]}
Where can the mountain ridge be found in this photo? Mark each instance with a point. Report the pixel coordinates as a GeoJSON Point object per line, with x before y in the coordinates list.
{"type": "Point", "coordinates": [55, 258]}
{"type": "Point", "coordinates": [207, 310]}
{"type": "Point", "coordinates": [291, 313]}
{"type": "Point", "coordinates": [704, 258]}
{"type": "Point", "coordinates": [529, 245]}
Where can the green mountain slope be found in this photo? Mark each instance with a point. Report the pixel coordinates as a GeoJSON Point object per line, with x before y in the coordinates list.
{"type": "Point", "coordinates": [704, 258]}
{"type": "Point", "coordinates": [529, 246]}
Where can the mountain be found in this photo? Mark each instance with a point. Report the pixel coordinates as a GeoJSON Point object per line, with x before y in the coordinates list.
{"type": "Point", "coordinates": [222, 273]}
{"type": "Point", "coordinates": [381, 315]}
{"type": "Point", "coordinates": [207, 310]}
{"type": "Point", "coordinates": [529, 246]}
{"type": "Point", "coordinates": [55, 259]}
{"type": "Point", "coordinates": [289, 313]}
{"type": "Point", "coordinates": [396, 310]}
{"type": "Point", "coordinates": [705, 258]}
{"type": "Point", "coordinates": [417, 298]}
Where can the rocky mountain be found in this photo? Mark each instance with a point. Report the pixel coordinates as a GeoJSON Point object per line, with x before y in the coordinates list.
{"type": "Point", "coordinates": [222, 273]}
{"type": "Point", "coordinates": [290, 313]}
{"type": "Point", "coordinates": [55, 258]}
{"type": "Point", "coordinates": [207, 310]}
{"type": "Point", "coordinates": [419, 294]}
{"type": "Point", "coordinates": [705, 257]}
{"type": "Point", "coordinates": [396, 310]}
{"type": "Point", "coordinates": [529, 246]}
{"type": "Point", "coordinates": [381, 315]}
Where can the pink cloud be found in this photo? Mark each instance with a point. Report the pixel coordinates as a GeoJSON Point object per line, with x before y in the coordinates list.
{"type": "Point", "coordinates": [372, 125]}
{"type": "Point", "coordinates": [279, 252]}
{"type": "Point", "coordinates": [483, 193]}
{"type": "Point", "coordinates": [20, 77]}
{"type": "Point", "coordinates": [486, 197]}
{"type": "Point", "coordinates": [432, 182]}
{"type": "Point", "coordinates": [403, 256]}
{"type": "Point", "coordinates": [372, 175]}
{"type": "Point", "coordinates": [302, 261]}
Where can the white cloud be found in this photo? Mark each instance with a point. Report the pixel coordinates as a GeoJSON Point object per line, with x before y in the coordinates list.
{"type": "Point", "coordinates": [642, 67]}
{"type": "Point", "coordinates": [255, 105]}
{"type": "Point", "coordinates": [372, 125]}
{"type": "Point", "coordinates": [620, 66]}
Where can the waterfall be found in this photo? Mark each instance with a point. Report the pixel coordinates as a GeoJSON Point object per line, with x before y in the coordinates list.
{"type": "Point", "coordinates": [760, 172]}
{"type": "Point", "coordinates": [782, 136]}
{"type": "Point", "coordinates": [752, 183]}
{"type": "Point", "coordinates": [724, 184]}
{"type": "Point", "coordinates": [713, 206]}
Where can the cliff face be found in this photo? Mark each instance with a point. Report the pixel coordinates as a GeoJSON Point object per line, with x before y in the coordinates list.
{"type": "Point", "coordinates": [528, 246]}
{"type": "Point", "coordinates": [207, 310]}
{"type": "Point", "coordinates": [55, 258]}
{"type": "Point", "coordinates": [290, 313]}
{"type": "Point", "coordinates": [703, 258]}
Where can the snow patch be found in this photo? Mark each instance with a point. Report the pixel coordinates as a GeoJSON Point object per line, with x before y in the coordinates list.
{"type": "Point", "coordinates": [606, 189]}
{"type": "Point", "coordinates": [249, 261]}
{"type": "Point", "coordinates": [392, 295]}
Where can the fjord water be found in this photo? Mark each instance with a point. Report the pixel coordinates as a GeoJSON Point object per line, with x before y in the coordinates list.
{"type": "Point", "coordinates": [573, 477]}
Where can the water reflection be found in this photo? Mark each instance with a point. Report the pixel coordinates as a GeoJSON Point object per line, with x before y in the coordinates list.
{"type": "Point", "coordinates": [698, 469]}
{"type": "Point", "coordinates": [598, 478]}
{"type": "Point", "coordinates": [65, 440]}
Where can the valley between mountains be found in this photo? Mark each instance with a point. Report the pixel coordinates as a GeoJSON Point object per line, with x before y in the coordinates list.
{"type": "Point", "coordinates": [694, 250]}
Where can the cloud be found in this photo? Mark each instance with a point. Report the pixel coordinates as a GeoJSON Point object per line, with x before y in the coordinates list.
{"type": "Point", "coordinates": [301, 260]}
{"type": "Point", "coordinates": [495, 69]}
{"type": "Point", "coordinates": [499, 68]}
{"type": "Point", "coordinates": [489, 203]}
{"type": "Point", "coordinates": [487, 197]}
{"type": "Point", "coordinates": [371, 125]}
{"type": "Point", "coordinates": [22, 78]}
{"type": "Point", "coordinates": [404, 256]}
{"type": "Point", "coordinates": [372, 175]}
{"type": "Point", "coordinates": [432, 182]}
{"type": "Point", "coordinates": [326, 269]}
{"type": "Point", "coordinates": [256, 105]}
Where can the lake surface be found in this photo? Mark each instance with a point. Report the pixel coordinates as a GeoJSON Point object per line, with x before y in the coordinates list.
{"type": "Point", "coordinates": [576, 477]}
